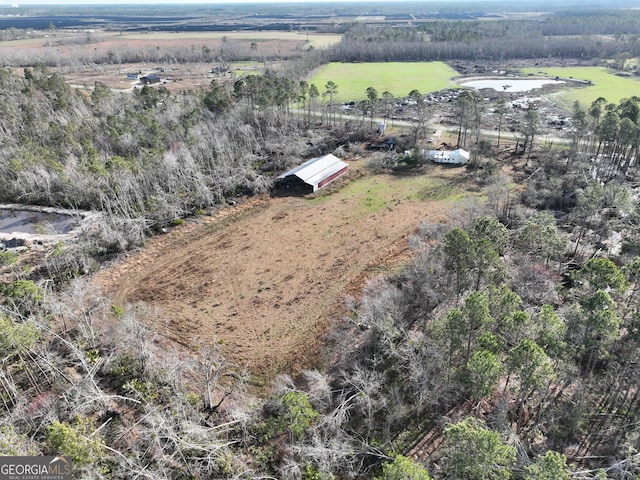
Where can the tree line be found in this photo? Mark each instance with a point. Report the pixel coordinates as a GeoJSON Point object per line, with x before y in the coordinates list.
{"type": "Point", "coordinates": [93, 52]}
{"type": "Point", "coordinates": [523, 45]}
{"type": "Point", "coordinates": [561, 35]}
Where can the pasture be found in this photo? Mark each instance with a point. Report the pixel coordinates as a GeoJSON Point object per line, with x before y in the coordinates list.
{"type": "Point", "coordinates": [374, 193]}
{"type": "Point", "coordinates": [399, 78]}
{"type": "Point", "coordinates": [604, 83]}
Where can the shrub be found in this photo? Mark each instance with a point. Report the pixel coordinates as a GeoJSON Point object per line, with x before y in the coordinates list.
{"type": "Point", "coordinates": [76, 441]}
{"type": "Point", "coordinates": [403, 468]}
{"type": "Point", "coordinates": [291, 412]}
{"type": "Point", "coordinates": [7, 257]}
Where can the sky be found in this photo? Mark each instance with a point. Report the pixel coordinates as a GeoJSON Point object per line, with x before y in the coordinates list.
{"type": "Point", "coordinates": [149, 2]}
{"type": "Point", "coordinates": [543, 3]}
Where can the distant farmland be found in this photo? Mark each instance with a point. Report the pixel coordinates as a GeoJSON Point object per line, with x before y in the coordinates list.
{"type": "Point", "coordinates": [399, 78]}
{"type": "Point", "coordinates": [604, 84]}
{"type": "Point", "coordinates": [317, 40]}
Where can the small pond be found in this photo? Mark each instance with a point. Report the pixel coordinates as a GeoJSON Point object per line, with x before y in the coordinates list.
{"type": "Point", "coordinates": [26, 221]}
{"type": "Point", "coordinates": [511, 84]}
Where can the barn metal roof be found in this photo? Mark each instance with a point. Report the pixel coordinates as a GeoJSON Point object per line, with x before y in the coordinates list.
{"type": "Point", "coordinates": [317, 169]}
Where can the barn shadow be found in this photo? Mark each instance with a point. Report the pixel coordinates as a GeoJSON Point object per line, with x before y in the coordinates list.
{"type": "Point", "coordinates": [291, 186]}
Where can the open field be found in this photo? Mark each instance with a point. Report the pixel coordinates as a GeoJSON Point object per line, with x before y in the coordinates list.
{"type": "Point", "coordinates": [399, 78]}
{"type": "Point", "coordinates": [317, 40]}
{"type": "Point", "coordinates": [187, 58]}
{"type": "Point", "coordinates": [266, 277]}
{"type": "Point", "coordinates": [604, 84]}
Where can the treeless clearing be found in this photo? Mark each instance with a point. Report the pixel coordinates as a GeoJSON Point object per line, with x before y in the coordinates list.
{"type": "Point", "coordinates": [604, 83]}
{"type": "Point", "coordinates": [185, 58]}
{"type": "Point", "coordinates": [399, 78]}
{"type": "Point", "coordinates": [267, 277]}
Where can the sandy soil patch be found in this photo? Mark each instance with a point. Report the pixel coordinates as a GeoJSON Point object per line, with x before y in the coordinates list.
{"type": "Point", "coordinates": [267, 277]}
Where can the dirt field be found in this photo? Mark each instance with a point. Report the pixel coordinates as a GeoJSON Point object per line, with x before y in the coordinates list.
{"type": "Point", "coordinates": [175, 78]}
{"type": "Point", "coordinates": [266, 277]}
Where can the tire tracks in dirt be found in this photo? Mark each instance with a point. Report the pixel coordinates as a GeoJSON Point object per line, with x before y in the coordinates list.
{"type": "Point", "coordinates": [267, 277]}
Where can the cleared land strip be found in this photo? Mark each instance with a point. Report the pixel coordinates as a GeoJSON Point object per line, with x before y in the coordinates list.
{"type": "Point", "coordinates": [265, 278]}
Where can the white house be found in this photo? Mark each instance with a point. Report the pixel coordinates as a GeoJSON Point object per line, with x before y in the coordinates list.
{"type": "Point", "coordinates": [454, 157]}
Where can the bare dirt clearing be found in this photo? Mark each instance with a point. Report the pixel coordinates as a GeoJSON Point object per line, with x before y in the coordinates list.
{"type": "Point", "coordinates": [266, 277]}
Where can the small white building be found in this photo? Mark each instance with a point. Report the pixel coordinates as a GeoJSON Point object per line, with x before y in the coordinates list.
{"type": "Point", "coordinates": [453, 157]}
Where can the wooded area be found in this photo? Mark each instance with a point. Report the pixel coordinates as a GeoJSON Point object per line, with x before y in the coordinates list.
{"type": "Point", "coordinates": [506, 347]}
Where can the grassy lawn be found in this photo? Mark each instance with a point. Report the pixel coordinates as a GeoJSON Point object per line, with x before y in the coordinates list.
{"type": "Point", "coordinates": [399, 78]}
{"type": "Point", "coordinates": [374, 192]}
{"type": "Point", "coordinates": [604, 84]}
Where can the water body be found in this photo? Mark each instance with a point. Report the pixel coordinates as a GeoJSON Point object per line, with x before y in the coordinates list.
{"type": "Point", "coordinates": [25, 221]}
{"type": "Point", "coordinates": [511, 84]}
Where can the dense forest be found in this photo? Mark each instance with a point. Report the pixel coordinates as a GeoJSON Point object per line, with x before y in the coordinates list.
{"type": "Point", "coordinates": [557, 36]}
{"type": "Point", "coordinates": [506, 347]}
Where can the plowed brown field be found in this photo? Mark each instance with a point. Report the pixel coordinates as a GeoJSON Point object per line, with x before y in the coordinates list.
{"type": "Point", "coordinates": [266, 277]}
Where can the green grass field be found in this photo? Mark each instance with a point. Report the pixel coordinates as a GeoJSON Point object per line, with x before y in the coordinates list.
{"type": "Point", "coordinates": [372, 193]}
{"type": "Point", "coordinates": [604, 84]}
{"type": "Point", "coordinates": [353, 79]}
